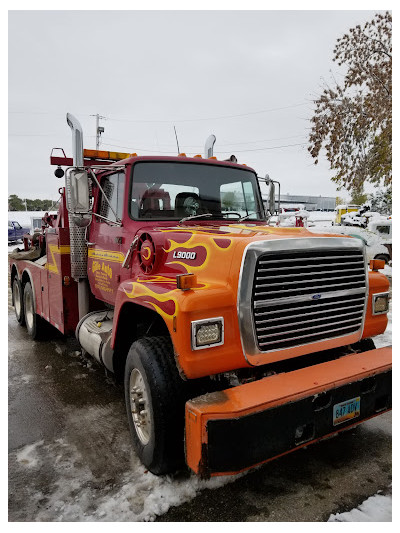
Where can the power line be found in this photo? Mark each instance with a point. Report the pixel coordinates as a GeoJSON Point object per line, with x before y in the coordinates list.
{"type": "Point", "coordinates": [42, 135]}
{"type": "Point", "coordinates": [217, 152]}
{"type": "Point", "coordinates": [132, 143]}
{"type": "Point", "coordinates": [45, 113]}
{"type": "Point", "coordinates": [266, 148]}
{"type": "Point", "coordinates": [208, 118]}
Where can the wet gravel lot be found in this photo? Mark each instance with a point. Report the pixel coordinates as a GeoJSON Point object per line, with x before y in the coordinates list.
{"type": "Point", "coordinates": [70, 457]}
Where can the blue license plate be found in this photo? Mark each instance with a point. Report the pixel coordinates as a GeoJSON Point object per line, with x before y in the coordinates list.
{"type": "Point", "coordinates": [344, 411]}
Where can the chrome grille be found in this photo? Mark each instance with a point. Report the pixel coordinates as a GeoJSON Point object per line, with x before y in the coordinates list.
{"type": "Point", "coordinates": [300, 297]}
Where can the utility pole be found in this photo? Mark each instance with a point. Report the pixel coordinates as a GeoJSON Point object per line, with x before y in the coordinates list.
{"type": "Point", "coordinates": [99, 129]}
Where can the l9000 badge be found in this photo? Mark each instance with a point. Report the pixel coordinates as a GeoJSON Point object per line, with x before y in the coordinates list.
{"type": "Point", "coordinates": [184, 255]}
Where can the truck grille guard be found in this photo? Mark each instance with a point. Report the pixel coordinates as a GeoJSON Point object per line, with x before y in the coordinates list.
{"type": "Point", "coordinates": [296, 292]}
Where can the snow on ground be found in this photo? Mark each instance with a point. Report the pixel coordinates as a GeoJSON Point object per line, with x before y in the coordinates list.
{"type": "Point", "coordinates": [78, 495]}
{"type": "Point", "coordinates": [377, 508]}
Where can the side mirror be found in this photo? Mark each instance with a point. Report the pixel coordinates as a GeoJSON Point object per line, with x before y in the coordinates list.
{"type": "Point", "coordinates": [78, 201]}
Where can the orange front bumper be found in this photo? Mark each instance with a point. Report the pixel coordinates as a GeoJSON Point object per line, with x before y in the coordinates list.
{"type": "Point", "coordinates": [235, 429]}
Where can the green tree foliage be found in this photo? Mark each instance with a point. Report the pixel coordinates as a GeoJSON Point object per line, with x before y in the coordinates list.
{"type": "Point", "coordinates": [352, 121]}
{"type": "Point", "coordinates": [16, 204]}
{"type": "Point", "coordinates": [381, 201]}
{"type": "Point", "coordinates": [358, 197]}
{"type": "Point", "coordinates": [339, 200]}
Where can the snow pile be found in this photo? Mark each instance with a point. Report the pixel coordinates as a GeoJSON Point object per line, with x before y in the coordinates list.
{"type": "Point", "coordinates": [27, 455]}
{"type": "Point", "coordinates": [377, 508]}
{"type": "Point", "coordinates": [387, 271]}
{"type": "Point", "coordinates": [78, 492]}
{"type": "Point", "coordinates": [322, 217]}
{"type": "Point", "coordinates": [386, 338]}
{"type": "Point", "coordinates": [374, 245]}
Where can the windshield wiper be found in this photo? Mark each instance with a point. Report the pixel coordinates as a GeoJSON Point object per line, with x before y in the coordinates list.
{"type": "Point", "coordinates": [195, 216]}
{"type": "Point", "coordinates": [249, 215]}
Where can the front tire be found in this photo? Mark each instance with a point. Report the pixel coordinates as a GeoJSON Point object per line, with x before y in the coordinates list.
{"type": "Point", "coordinates": [155, 403]}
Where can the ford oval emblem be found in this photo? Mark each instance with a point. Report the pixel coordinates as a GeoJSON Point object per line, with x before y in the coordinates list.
{"type": "Point", "coordinates": [316, 296]}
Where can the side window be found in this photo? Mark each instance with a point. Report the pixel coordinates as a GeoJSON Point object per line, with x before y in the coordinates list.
{"type": "Point", "coordinates": [17, 225]}
{"type": "Point", "coordinates": [113, 187]}
{"type": "Point", "coordinates": [383, 229]}
{"type": "Point", "coordinates": [232, 197]}
{"type": "Point", "coordinates": [238, 197]}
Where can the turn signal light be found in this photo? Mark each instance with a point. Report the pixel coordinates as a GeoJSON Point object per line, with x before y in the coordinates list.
{"type": "Point", "coordinates": [186, 281]}
{"type": "Point", "coordinates": [380, 303]}
{"type": "Point", "coordinates": [376, 264]}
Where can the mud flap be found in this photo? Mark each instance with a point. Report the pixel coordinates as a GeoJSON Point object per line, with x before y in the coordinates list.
{"type": "Point", "coordinates": [233, 430]}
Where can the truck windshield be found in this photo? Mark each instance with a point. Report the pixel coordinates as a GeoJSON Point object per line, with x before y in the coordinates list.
{"type": "Point", "coordinates": [172, 191]}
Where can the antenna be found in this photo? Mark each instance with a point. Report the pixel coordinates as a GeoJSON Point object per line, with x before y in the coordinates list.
{"type": "Point", "coordinates": [177, 142]}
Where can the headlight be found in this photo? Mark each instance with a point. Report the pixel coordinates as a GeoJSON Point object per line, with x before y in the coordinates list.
{"type": "Point", "coordinates": [380, 303]}
{"type": "Point", "coordinates": [207, 332]}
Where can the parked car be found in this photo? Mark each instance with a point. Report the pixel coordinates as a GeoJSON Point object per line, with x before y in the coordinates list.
{"type": "Point", "coordinates": [16, 231]}
{"type": "Point", "coordinates": [374, 245]}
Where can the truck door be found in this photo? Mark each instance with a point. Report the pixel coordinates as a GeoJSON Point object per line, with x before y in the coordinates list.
{"type": "Point", "coordinates": [104, 253]}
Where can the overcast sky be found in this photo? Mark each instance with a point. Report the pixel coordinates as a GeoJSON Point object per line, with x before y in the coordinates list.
{"type": "Point", "coordinates": [247, 77]}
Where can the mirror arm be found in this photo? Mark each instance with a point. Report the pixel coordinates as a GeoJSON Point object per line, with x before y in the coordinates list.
{"type": "Point", "coordinates": [105, 196]}
{"type": "Point", "coordinates": [116, 223]}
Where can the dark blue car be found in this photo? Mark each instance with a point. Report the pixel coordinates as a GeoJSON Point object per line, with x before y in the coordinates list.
{"type": "Point", "coordinates": [16, 231]}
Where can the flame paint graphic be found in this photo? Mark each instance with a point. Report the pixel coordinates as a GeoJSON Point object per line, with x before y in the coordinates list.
{"type": "Point", "coordinates": [202, 247]}
{"type": "Point", "coordinates": [223, 243]}
{"type": "Point", "coordinates": [147, 249]}
{"type": "Point", "coordinates": [165, 304]}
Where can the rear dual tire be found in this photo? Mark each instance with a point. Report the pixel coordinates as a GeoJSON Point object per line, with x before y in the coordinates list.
{"type": "Point", "coordinates": [34, 323]}
{"type": "Point", "coordinates": [18, 302]}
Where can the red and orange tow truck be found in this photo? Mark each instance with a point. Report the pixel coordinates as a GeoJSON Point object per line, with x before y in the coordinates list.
{"type": "Point", "coordinates": [237, 342]}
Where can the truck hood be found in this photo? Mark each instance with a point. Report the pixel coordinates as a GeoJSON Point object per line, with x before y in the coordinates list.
{"type": "Point", "coordinates": [211, 251]}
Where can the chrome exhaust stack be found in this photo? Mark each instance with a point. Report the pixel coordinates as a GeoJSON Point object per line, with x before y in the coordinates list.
{"type": "Point", "coordinates": [209, 146]}
{"type": "Point", "coordinates": [78, 231]}
{"type": "Point", "coordinates": [77, 140]}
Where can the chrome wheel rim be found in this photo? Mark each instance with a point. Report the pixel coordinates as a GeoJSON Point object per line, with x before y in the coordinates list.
{"type": "Point", "coordinates": [29, 310]}
{"type": "Point", "coordinates": [139, 402]}
{"type": "Point", "coordinates": [17, 299]}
